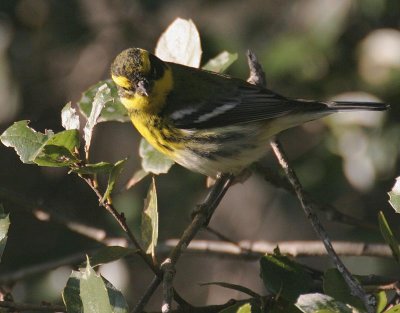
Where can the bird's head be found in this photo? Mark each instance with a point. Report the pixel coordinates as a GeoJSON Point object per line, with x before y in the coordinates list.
{"type": "Point", "coordinates": [135, 72]}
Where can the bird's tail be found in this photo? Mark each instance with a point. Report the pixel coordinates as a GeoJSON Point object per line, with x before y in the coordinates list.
{"type": "Point", "coordinates": [342, 106]}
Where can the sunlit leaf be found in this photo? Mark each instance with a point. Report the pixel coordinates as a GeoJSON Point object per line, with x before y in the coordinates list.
{"type": "Point", "coordinates": [112, 177]}
{"type": "Point", "coordinates": [320, 303]}
{"type": "Point", "coordinates": [394, 196]}
{"type": "Point", "coordinates": [284, 277]}
{"type": "Point", "coordinates": [113, 110]}
{"type": "Point", "coordinates": [69, 118]}
{"type": "Point", "coordinates": [47, 149]}
{"type": "Point", "coordinates": [90, 293]}
{"type": "Point", "coordinates": [149, 225]}
{"type": "Point", "coordinates": [221, 62]}
{"type": "Point", "coordinates": [4, 225]}
{"type": "Point", "coordinates": [388, 235]}
{"type": "Point", "coordinates": [103, 95]}
{"type": "Point", "coordinates": [180, 43]}
{"type": "Point", "coordinates": [138, 176]}
{"type": "Point", "coordinates": [153, 161]}
{"type": "Point", "coordinates": [336, 287]}
{"type": "Point", "coordinates": [26, 141]}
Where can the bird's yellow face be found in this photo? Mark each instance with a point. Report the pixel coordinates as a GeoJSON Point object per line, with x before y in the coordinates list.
{"type": "Point", "coordinates": [143, 80]}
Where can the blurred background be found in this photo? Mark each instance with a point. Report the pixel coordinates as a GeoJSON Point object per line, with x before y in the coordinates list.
{"type": "Point", "coordinates": [51, 51]}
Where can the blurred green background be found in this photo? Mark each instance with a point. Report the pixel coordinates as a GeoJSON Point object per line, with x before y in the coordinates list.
{"type": "Point", "coordinates": [51, 51]}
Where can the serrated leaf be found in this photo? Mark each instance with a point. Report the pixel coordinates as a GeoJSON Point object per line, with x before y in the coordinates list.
{"type": "Point", "coordinates": [149, 224]}
{"type": "Point", "coordinates": [320, 303]}
{"type": "Point", "coordinates": [221, 62]}
{"type": "Point", "coordinates": [284, 277]}
{"type": "Point", "coordinates": [388, 235]}
{"type": "Point", "coordinates": [110, 254]}
{"type": "Point", "coordinates": [69, 118]}
{"type": "Point", "coordinates": [335, 286]}
{"type": "Point", "coordinates": [4, 226]}
{"type": "Point", "coordinates": [25, 141]}
{"type": "Point", "coordinates": [180, 43]}
{"type": "Point", "coordinates": [233, 287]}
{"type": "Point", "coordinates": [112, 177]}
{"type": "Point", "coordinates": [47, 149]}
{"type": "Point", "coordinates": [103, 95]}
{"type": "Point", "coordinates": [394, 196]}
{"type": "Point", "coordinates": [95, 168]}
{"type": "Point", "coordinates": [90, 293]}
{"type": "Point", "coordinates": [113, 110]}
{"type": "Point", "coordinates": [153, 161]}
{"type": "Point", "coordinates": [138, 176]}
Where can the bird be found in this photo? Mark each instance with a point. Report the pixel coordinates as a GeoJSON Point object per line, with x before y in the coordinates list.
{"type": "Point", "coordinates": [208, 122]}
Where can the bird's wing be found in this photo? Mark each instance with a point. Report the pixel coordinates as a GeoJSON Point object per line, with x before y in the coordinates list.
{"type": "Point", "coordinates": [209, 100]}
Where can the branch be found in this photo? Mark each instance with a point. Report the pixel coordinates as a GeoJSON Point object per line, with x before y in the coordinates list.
{"type": "Point", "coordinates": [355, 287]}
{"type": "Point", "coordinates": [202, 216]}
{"type": "Point", "coordinates": [253, 250]}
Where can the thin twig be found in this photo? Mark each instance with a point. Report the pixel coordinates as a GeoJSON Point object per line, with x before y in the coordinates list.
{"type": "Point", "coordinates": [354, 286]}
{"type": "Point", "coordinates": [18, 307]}
{"type": "Point", "coordinates": [258, 77]}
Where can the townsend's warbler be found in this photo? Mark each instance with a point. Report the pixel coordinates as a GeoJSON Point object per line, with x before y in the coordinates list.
{"type": "Point", "coordinates": [208, 122]}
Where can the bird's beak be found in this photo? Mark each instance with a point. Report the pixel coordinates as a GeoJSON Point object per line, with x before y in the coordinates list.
{"type": "Point", "coordinates": [141, 88]}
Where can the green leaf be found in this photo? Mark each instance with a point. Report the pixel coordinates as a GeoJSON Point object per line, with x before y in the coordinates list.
{"type": "Point", "coordinates": [110, 254]}
{"type": "Point", "coordinates": [69, 118]}
{"type": "Point", "coordinates": [138, 176]}
{"type": "Point", "coordinates": [59, 150]}
{"type": "Point", "coordinates": [394, 196]}
{"type": "Point", "coordinates": [71, 294]}
{"type": "Point", "coordinates": [93, 292]}
{"type": "Point", "coordinates": [284, 277]}
{"type": "Point", "coordinates": [149, 225]}
{"type": "Point", "coordinates": [388, 235]}
{"type": "Point", "coordinates": [335, 286]}
{"type": "Point", "coordinates": [394, 309]}
{"type": "Point", "coordinates": [240, 288]}
{"type": "Point", "coordinates": [112, 177]}
{"type": "Point", "coordinates": [242, 308]}
{"type": "Point", "coordinates": [117, 300]}
{"type": "Point", "coordinates": [381, 300]}
{"type": "Point", "coordinates": [89, 293]}
{"type": "Point", "coordinates": [96, 168]}
{"type": "Point", "coordinates": [221, 62]}
{"type": "Point", "coordinates": [180, 43]}
{"type": "Point", "coordinates": [47, 149]}
{"type": "Point", "coordinates": [4, 226]}
{"type": "Point", "coordinates": [281, 305]}
{"type": "Point", "coordinates": [153, 161]}
{"type": "Point", "coordinates": [113, 110]}
{"type": "Point", "coordinates": [25, 141]}
{"type": "Point", "coordinates": [103, 95]}
{"type": "Point", "coordinates": [320, 303]}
